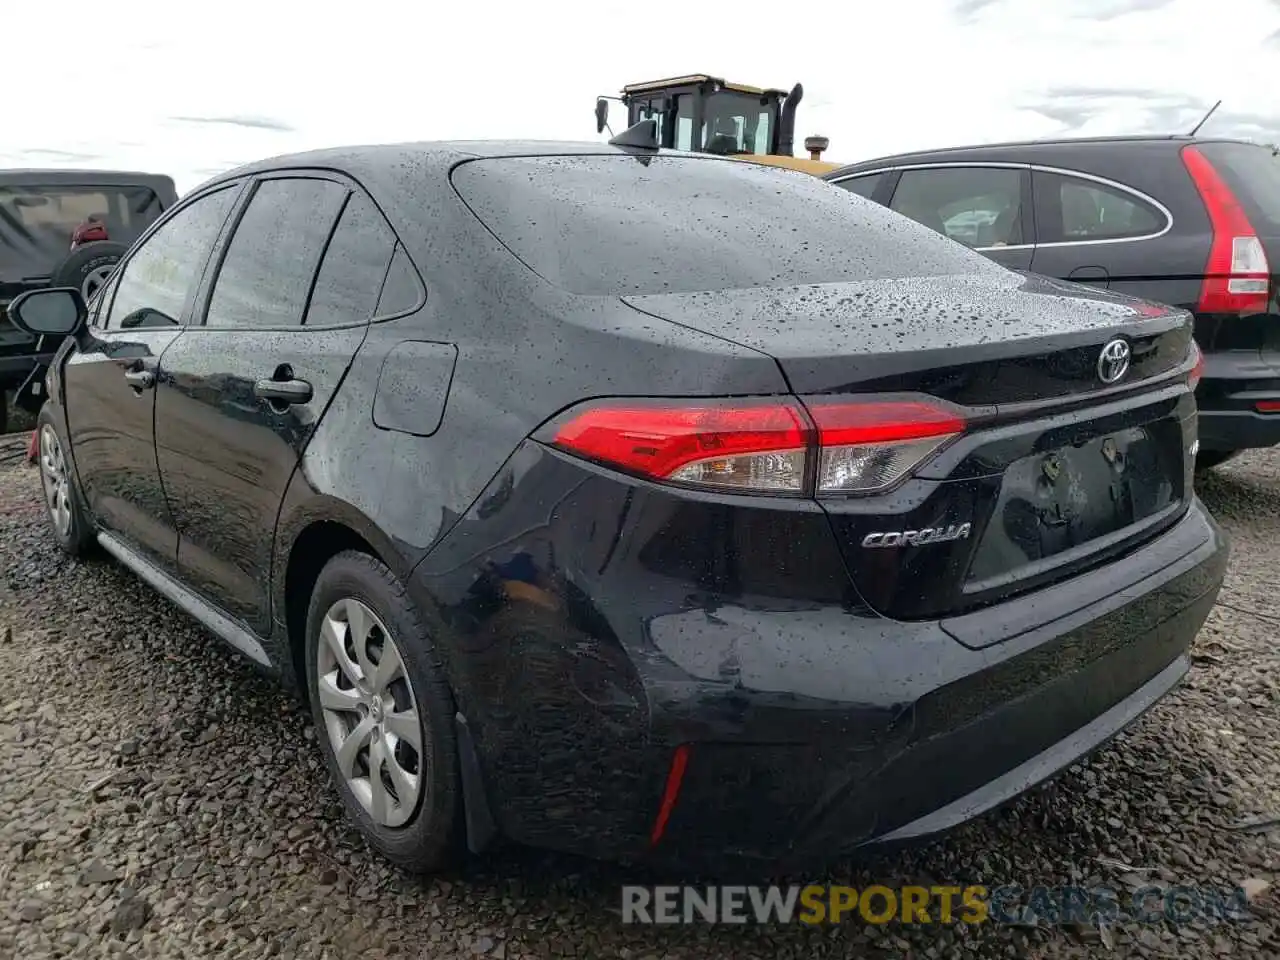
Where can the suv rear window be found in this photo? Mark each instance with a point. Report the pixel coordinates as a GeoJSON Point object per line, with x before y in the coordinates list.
{"type": "Point", "coordinates": [1253, 174]}
{"type": "Point", "coordinates": [126, 211]}
{"type": "Point", "coordinates": [618, 225]}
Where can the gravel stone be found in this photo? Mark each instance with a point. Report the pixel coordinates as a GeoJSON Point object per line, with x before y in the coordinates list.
{"type": "Point", "coordinates": [188, 813]}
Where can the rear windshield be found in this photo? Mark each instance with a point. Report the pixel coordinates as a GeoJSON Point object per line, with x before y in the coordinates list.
{"type": "Point", "coordinates": [618, 225]}
{"type": "Point", "coordinates": [56, 211]}
{"type": "Point", "coordinates": [1253, 174]}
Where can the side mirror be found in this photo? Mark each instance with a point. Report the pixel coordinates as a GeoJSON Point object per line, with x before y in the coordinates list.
{"type": "Point", "coordinates": [602, 114]}
{"type": "Point", "coordinates": [56, 312]}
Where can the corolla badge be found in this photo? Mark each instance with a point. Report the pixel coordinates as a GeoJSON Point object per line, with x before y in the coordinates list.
{"type": "Point", "coordinates": [1113, 361]}
{"type": "Point", "coordinates": [917, 538]}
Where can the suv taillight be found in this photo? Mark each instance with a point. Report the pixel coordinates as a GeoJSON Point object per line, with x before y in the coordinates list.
{"type": "Point", "coordinates": [1237, 277]}
{"type": "Point", "coordinates": [765, 446]}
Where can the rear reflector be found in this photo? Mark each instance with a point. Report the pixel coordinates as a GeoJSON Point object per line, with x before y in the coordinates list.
{"type": "Point", "coordinates": [1197, 367]}
{"type": "Point", "coordinates": [764, 446]}
{"type": "Point", "coordinates": [670, 792]}
{"type": "Point", "coordinates": [1237, 274]}
{"type": "Point", "coordinates": [1267, 406]}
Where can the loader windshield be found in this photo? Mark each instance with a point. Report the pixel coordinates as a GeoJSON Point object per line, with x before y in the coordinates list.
{"type": "Point", "coordinates": [736, 122]}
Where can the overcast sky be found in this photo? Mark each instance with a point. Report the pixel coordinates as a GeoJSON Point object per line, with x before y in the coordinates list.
{"type": "Point", "coordinates": [193, 89]}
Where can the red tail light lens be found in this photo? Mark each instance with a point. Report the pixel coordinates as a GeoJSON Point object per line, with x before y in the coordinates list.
{"type": "Point", "coordinates": [1237, 275]}
{"type": "Point", "coordinates": [1197, 367]}
{"type": "Point", "coordinates": [762, 446]}
{"type": "Point", "coordinates": [756, 447]}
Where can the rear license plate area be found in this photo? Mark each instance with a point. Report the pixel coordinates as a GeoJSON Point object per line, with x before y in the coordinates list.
{"type": "Point", "coordinates": [1056, 502]}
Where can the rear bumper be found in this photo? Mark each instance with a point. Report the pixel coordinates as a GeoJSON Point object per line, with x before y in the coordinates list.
{"type": "Point", "coordinates": [812, 726]}
{"type": "Point", "coordinates": [1234, 382]}
{"type": "Point", "coordinates": [1008, 717]}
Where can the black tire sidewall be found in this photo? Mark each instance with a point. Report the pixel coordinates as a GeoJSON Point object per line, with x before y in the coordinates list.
{"type": "Point", "coordinates": [80, 534]}
{"type": "Point", "coordinates": [78, 264]}
{"type": "Point", "coordinates": [431, 839]}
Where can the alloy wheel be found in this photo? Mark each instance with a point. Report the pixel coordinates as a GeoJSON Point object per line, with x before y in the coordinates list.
{"type": "Point", "coordinates": [53, 476]}
{"type": "Point", "coordinates": [95, 279]}
{"type": "Point", "coordinates": [370, 713]}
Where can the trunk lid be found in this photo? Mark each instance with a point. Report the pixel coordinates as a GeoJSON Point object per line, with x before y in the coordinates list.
{"type": "Point", "coordinates": [1057, 471]}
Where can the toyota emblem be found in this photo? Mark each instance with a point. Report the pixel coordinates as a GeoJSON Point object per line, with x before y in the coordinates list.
{"type": "Point", "coordinates": [1113, 362]}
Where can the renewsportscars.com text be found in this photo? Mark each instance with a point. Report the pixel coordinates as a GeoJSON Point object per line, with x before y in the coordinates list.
{"type": "Point", "coordinates": [945, 904]}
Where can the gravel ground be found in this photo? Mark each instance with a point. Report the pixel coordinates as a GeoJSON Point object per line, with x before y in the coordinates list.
{"type": "Point", "coordinates": [159, 799]}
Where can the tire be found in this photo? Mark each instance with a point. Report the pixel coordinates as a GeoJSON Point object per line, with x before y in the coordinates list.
{"type": "Point", "coordinates": [63, 502]}
{"type": "Point", "coordinates": [424, 836]}
{"type": "Point", "coordinates": [1208, 459]}
{"type": "Point", "coordinates": [87, 268]}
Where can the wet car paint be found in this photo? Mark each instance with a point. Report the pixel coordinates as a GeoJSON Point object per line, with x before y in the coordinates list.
{"type": "Point", "coordinates": [593, 624]}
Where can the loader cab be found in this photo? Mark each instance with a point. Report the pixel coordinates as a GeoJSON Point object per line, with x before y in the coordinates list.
{"type": "Point", "coordinates": [708, 115]}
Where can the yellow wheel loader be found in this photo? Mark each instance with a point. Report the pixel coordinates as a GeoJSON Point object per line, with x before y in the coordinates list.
{"type": "Point", "coordinates": [706, 114]}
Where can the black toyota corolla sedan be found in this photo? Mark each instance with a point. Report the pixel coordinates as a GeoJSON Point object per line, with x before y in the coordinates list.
{"type": "Point", "coordinates": [637, 503]}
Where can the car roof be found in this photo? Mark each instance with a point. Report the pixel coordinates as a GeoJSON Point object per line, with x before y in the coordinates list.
{"type": "Point", "coordinates": [1026, 151]}
{"type": "Point", "coordinates": [373, 163]}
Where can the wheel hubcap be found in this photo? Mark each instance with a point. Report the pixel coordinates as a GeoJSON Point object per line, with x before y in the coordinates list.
{"type": "Point", "coordinates": [370, 714]}
{"type": "Point", "coordinates": [53, 475]}
{"type": "Point", "coordinates": [94, 280]}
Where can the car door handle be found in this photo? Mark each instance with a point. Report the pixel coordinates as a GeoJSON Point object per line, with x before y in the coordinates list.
{"type": "Point", "coordinates": [283, 391]}
{"type": "Point", "coordinates": [140, 379]}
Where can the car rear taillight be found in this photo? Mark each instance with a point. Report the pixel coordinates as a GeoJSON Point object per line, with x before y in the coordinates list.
{"type": "Point", "coordinates": [1197, 366]}
{"type": "Point", "coordinates": [1237, 274]}
{"type": "Point", "coordinates": [763, 446]}
{"type": "Point", "coordinates": [865, 447]}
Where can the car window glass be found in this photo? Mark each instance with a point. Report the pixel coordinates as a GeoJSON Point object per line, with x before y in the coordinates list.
{"type": "Point", "coordinates": [1092, 211]}
{"type": "Point", "coordinates": [977, 206]}
{"type": "Point", "coordinates": [157, 279]}
{"type": "Point", "coordinates": [863, 186]}
{"type": "Point", "coordinates": [403, 289]}
{"type": "Point", "coordinates": [272, 258]}
{"type": "Point", "coordinates": [614, 226]}
{"type": "Point", "coordinates": [354, 266]}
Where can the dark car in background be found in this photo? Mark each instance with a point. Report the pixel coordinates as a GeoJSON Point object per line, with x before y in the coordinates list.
{"type": "Point", "coordinates": [41, 213]}
{"type": "Point", "coordinates": [1193, 222]}
{"type": "Point", "coordinates": [634, 502]}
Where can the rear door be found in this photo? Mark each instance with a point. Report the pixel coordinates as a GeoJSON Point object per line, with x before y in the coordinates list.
{"type": "Point", "coordinates": [986, 207]}
{"type": "Point", "coordinates": [1107, 234]}
{"type": "Point", "coordinates": [108, 380]}
{"type": "Point", "coordinates": [286, 311]}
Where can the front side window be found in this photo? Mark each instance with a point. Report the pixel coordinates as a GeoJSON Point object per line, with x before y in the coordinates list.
{"type": "Point", "coordinates": [266, 275]}
{"type": "Point", "coordinates": [1094, 211]}
{"type": "Point", "coordinates": [156, 281]}
{"type": "Point", "coordinates": [977, 206]}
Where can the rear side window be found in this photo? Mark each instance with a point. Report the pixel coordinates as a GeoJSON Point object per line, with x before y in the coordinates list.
{"type": "Point", "coordinates": [863, 186]}
{"type": "Point", "coordinates": [354, 267]}
{"type": "Point", "coordinates": [619, 225]}
{"type": "Point", "coordinates": [266, 275]}
{"type": "Point", "coordinates": [1074, 208]}
{"type": "Point", "coordinates": [1253, 174]}
{"type": "Point", "coordinates": [976, 206]}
